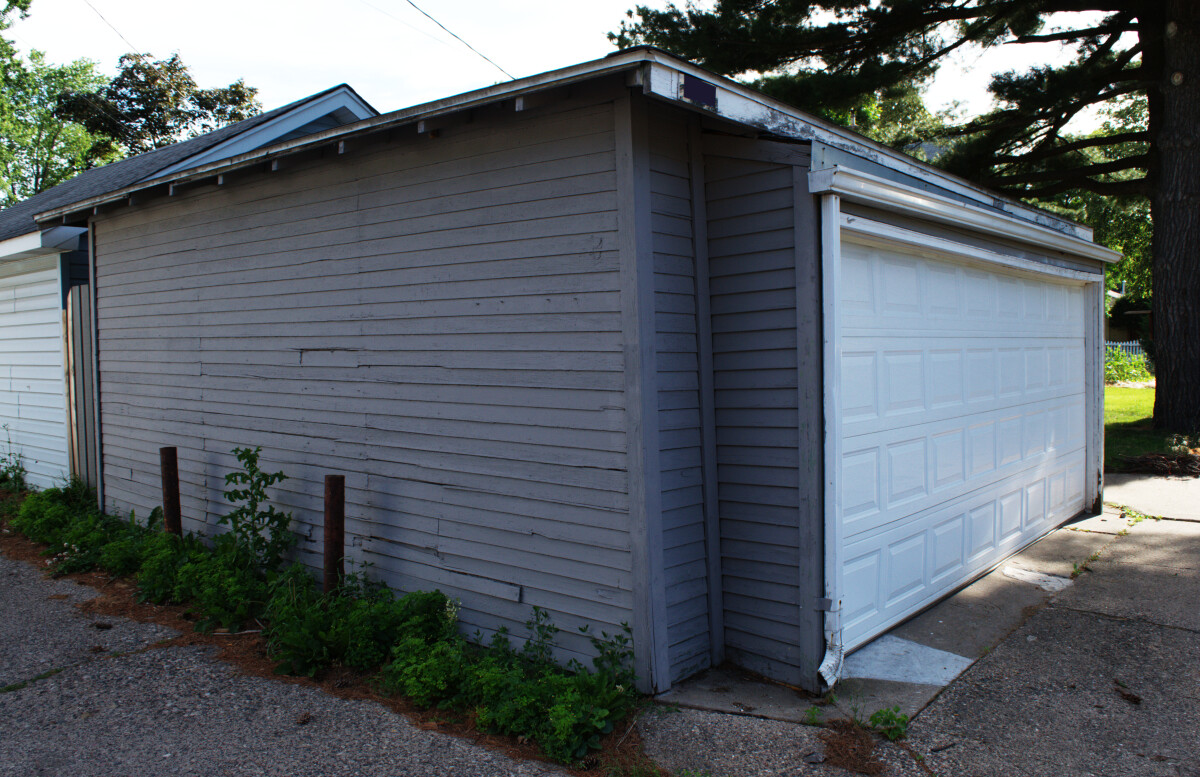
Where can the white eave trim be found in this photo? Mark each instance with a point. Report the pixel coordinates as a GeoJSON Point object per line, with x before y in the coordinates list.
{"type": "Point", "coordinates": [887, 195]}
{"type": "Point", "coordinates": [55, 240]}
{"type": "Point", "coordinates": [262, 135]}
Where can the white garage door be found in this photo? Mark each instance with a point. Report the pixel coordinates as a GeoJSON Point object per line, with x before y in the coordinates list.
{"type": "Point", "coordinates": [32, 385]}
{"type": "Point", "coordinates": [962, 423]}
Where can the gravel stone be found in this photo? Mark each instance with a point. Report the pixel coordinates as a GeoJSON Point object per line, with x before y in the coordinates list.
{"type": "Point", "coordinates": [180, 711]}
{"type": "Point", "coordinates": [40, 634]}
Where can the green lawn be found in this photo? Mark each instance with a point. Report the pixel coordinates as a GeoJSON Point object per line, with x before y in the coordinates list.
{"type": "Point", "coordinates": [1127, 425]}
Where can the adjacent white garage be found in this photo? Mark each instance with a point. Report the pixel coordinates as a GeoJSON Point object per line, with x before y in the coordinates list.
{"type": "Point", "coordinates": [32, 382]}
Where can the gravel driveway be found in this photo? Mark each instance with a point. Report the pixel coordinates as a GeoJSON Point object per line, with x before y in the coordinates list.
{"type": "Point", "coordinates": [109, 703]}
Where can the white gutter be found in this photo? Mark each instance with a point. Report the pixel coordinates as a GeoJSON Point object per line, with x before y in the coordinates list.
{"type": "Point", "coordinates": [659, 74]}
{"type": "Point", "coordinates": [871, 190]}
{"type": "Point", "coordinates": [55, 240]}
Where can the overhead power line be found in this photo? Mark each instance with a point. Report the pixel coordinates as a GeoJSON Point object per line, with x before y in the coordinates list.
{"type": "Point", "coordinates": [460, 40]}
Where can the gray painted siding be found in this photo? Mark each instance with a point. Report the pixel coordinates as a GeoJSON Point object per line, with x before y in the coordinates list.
{"type": "Point", "coordinates": [678, 381]}
{"type": "Point", "coordinates": [751, 246]}
{"type": "Point", "coordinates": [437, 318]}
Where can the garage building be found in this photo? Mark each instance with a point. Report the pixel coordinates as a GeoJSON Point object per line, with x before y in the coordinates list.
{"type": "Point", "coordinates": [627, 341]}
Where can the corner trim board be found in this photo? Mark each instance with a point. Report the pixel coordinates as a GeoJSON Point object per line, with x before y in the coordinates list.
{"type": "Point", "coordinates": [637, 322]}
{"type": "Point", "coordinates": [831, 282]}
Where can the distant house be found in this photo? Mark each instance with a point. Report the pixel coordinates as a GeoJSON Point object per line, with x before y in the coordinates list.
{"type": "Point", "coordinates": [627, 341]}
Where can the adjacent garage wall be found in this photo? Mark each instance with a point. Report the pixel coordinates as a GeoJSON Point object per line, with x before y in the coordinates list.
{"type": "Point", "coordinates": [32, 393]}
{"type": "Point", "coordinates": [437, 318]}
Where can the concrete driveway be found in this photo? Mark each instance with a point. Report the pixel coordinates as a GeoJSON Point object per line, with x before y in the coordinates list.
{"type": "Point", "coordinates": [1099, 675]}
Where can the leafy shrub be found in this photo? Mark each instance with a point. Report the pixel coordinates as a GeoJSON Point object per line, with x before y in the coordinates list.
{"type": "Point", "coordinates": [298, 624]}
{"type": "Point", "coordinates": [263, 532]}
{"type": "Point", "coordinates": [430, 675]}
{"type": "Point", "coordinates": [521, 693]}
{"type": "Point", "coordinates": [163, 556]}
{"type": "Point", "coordinates": [224, 587]}
{"type": "Point", "coordinates": [1120, 366]}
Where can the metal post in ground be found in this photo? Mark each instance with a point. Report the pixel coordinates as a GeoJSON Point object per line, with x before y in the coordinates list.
{"type": "Point", "coordinates": [335, 531]}
{"type": "Point", "coordinates": [168, 459]}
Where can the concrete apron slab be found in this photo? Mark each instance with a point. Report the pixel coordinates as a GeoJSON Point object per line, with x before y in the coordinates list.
{"type": "Point", "coordinates": [911, 664]}
{"type": "Point", "coordinates": [1165, 497]}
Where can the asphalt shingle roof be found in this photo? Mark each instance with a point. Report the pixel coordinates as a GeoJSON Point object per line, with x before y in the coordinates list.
{"type": "Point", "coordinates": [18, 219]}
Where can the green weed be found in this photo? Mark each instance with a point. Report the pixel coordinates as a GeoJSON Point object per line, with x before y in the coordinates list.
{"type": "Point", "coordinates": [891, 723]}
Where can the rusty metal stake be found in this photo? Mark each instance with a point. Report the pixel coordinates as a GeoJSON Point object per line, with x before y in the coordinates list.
{"type": "Point", "coordinates": [335, 531]}
{"type": "Point", "coordinates": [168, 459]}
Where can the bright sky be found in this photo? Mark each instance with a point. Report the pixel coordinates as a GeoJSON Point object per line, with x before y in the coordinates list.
{"type": "Point", "coordinates": [390, 53]}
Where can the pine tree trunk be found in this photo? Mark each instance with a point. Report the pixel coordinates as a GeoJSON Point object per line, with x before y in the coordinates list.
{"type": "Point", "coordinates": [1172, 45]}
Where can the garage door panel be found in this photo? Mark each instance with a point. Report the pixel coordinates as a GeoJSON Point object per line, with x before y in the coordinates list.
{"type": "Point", "coordinates": [896, 381]}
{"type": "Point", "coordinates": [882, 288]}
{"type": "Point", "coordinates": [891, 573]}
{"type": "Point", "coordinates": [962, 416]}
{"type": "Point", "coordinates": [891, 473]}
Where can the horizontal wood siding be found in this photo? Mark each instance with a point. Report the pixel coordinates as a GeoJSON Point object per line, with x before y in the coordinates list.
{"type": "Point", "coordinates": [436, 318]}
{"type": "Point", "coordinates": [33, 400]}
{"type": "Point", "coordinates": [678, 396]}
{"type": "Point", "coordinates": [751, 246]}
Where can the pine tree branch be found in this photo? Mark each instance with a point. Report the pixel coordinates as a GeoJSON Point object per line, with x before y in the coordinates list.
{"type": "Point", "coordinates": [1076, 34]}
{"type": "Point", "coordinates": [1078, 145]}
{"type": "Point", "coordinates": [1137, 161]}
{"type": "Point", "coordinates": [1128, 188]}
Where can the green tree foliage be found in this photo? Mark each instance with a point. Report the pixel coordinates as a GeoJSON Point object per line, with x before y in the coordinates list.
{"type": "Point", "coordinates": [37, 148]}
{"type": "Point", "coordinates": [1121, 222]}
{"type": "Point", "coordinates": [833, 54]}
{"type": "Point", "coordinates": [154, 103]}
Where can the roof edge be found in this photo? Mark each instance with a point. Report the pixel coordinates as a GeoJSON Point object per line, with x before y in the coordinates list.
{"type": "Point", "coordinates": [658, 73]}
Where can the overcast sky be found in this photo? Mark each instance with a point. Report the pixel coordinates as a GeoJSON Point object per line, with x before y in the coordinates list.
{"type": "Point", "coordinates": [391, 54]}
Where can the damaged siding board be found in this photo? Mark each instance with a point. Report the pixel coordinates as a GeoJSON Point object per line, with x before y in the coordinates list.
{"type": "Point", "coordinates": [438, 319]}
{"type": "Point", "coordinates": [751, 247]}
{"type": "Point", "coordinates": [682, 480]}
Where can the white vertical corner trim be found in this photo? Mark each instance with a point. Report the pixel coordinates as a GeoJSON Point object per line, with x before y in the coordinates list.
{"type": "Point", "coordinates": [1094, 294]}
{"type": "Point", "coordinates": [871, 190]}
{"type": "Point", "coordinates": [831, 281]}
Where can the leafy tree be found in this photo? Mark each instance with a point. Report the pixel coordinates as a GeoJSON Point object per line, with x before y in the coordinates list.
{"type": "Point", "coordinates": [150, 104]}
{"type": "Point", "coordinates": [38, 149]}
{"type": "Point", "coordinates": [830, 53]}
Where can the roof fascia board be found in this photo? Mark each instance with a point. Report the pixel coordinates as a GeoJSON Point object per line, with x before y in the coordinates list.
{"type": "Point", "coordinates": [342, 97]}
{"type": "Point", "coordinates": [659, 74]}
{"type": "Point", "coordinates": [872, 190]}
{"type": "Point", "coordinates": [55, 240]}
{"type": "Point", "coordinates": [466, 101]}
{"type": "Point", "coordinates": [746, 106]}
